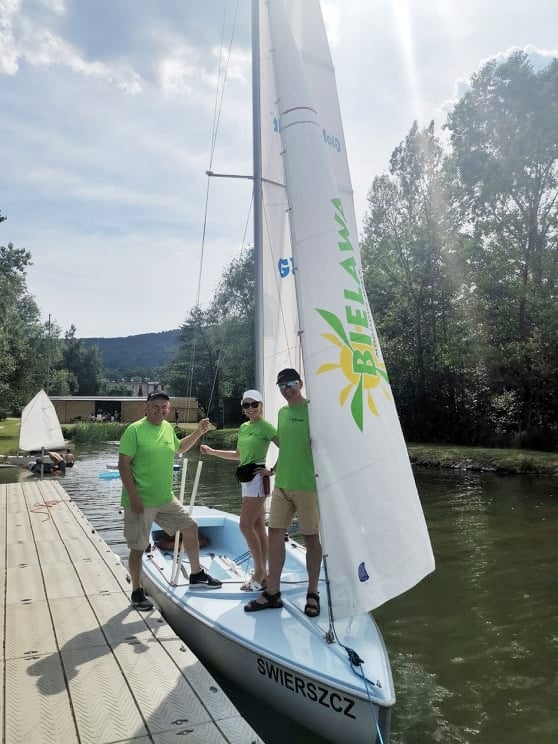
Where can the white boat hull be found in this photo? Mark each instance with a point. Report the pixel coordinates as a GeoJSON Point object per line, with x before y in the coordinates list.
{"type": "Point", "coordinates": [24, 461]}
{"type": "Point", "coordinates": [114, 466]}
{"type": "Point", "coordinates": [278, 656]}
{"type": "Point", "coordinates": [21, 460]}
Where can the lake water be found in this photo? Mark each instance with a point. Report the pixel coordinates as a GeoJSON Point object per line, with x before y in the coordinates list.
{"type": "Point", "coordinates": [474, 647]}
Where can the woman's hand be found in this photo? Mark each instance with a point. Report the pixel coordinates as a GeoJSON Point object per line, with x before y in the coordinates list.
{"type": "Point", "coordinates": [205, 450]}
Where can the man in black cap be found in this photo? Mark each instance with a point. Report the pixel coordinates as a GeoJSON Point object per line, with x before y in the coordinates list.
{"type": "Point", "coordinates": [145, 462]}
{"type": "Point", "coordinates": [294, 493]}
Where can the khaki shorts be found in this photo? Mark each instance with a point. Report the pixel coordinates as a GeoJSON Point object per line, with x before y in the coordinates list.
{"type": "Point", "coordinates": [285, 504]}
{"type": "Point", "coordinates": [171, 517]}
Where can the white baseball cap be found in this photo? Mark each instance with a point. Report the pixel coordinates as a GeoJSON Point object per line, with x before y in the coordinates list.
{"type": "Point", "coordinates": [254, 394]}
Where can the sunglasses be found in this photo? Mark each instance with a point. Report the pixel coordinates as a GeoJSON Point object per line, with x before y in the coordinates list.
{"type": "Point", "coordinates": [250, 404]}
{"type": "Point", "coordinates": [283, 385]}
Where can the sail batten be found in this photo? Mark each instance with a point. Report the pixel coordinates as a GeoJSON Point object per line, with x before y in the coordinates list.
{"type": "Point", "coordinates": [373, 528]}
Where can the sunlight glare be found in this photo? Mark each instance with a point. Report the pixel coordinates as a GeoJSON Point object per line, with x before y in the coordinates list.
{"type": "Point", "coordinates": [403, 23]}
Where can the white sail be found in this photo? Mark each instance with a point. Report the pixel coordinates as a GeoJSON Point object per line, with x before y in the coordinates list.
{"type": "Point", "coordinates": [40, 427]}
{"type": "Point", "coordinates": [373, 529]}
{"type": "Point", "coordinates": [281, 347]}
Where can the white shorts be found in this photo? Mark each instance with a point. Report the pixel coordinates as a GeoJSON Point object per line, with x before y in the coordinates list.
{"type": "Point", "coordinates": [253, 488]}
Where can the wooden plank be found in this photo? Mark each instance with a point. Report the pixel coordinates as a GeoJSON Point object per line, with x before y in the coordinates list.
{"type": "Point", "coordinates": [37, 702]}
{"type": "Point", "coordinates": [32, 634]}
{"type": "Point", "coordinates": [24, 584]}
{"type": "Point", "coordinates": [104, 706]}
{"type": "Point", "coordinates": [81, 665]}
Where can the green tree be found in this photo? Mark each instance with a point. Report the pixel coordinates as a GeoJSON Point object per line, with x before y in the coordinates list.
{"type": "Point", "coordinates": [82, 366]}
{"type": "Point", "coordinates": [408, 272]}
{"type": "Point", "coordinates": [233, 306]}
{"type": "Point", "coordinates": [215, 355]}
{"type": "Point", "coordinates": [504, 136]}
{"type": "Point", "coordinates": [21, 370]}
{"type": "Point", "coordinates": [194, 369]}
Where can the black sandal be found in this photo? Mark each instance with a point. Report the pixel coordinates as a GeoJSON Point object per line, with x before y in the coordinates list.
{"type": "Point", "coordinates": [273, 602]}
{"type": "Point", "coordinates": [312, 610]}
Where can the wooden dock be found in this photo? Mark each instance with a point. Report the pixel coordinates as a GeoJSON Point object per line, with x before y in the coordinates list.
{"type": "Point", "coordinates": [79, 664]}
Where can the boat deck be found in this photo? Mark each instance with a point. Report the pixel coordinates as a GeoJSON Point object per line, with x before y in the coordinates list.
{"type": "Point", "coordinates": [79, 664]}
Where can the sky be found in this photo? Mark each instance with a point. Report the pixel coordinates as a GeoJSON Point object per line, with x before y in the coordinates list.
{"type": "Point", "coordinates": [107, 122]}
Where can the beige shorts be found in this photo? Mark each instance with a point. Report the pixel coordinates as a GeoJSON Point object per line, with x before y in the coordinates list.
{"type": "Point", "coordinates": [170, 517]}
{"type": "Point", "coordinates": [285, 504]}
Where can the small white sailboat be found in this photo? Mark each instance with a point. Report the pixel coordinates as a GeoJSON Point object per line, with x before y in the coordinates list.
{"type": "Point", "coordinates": [330, 673]}
{"type": "Point", "coordinates": [39, 432]}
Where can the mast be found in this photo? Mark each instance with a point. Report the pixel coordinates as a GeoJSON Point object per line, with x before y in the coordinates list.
{"type": "Point", "coordinates": [47, 383]}
{"type": "Point", "coordinates": [257, 176]}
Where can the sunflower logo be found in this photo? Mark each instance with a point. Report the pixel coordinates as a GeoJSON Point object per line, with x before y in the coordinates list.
{"type": "Point", "coordinates": [360, 365]}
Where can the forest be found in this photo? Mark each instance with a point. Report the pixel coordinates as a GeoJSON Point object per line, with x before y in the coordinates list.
{"type": "Point", "coordinates": [460, 260]}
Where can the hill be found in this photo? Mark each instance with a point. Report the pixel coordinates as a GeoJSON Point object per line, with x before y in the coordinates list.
{"type": "Point", "coordinates": [127, 355]}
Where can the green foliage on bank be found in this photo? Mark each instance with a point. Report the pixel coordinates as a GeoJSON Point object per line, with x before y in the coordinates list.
{"type": "Point", "coordinates": [9, 436]}
{"type": "Point", "coordinates": [83, 433]}
{"type": "Point", "coordinates": [505, 461]}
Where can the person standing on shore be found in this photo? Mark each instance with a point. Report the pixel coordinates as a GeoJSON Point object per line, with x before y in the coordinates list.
{"type": "Point", "coordinates": [145, 461]}
{"type": "Point", "coordinates": [294, 493]}
{"type": "Point", "coordinates": [253, 441]}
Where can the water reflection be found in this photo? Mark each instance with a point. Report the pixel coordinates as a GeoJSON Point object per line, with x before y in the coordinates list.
{"type": "Point", "coordinates": [474, 647]}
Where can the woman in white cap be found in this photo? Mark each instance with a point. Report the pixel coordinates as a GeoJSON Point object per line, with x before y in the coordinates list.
{"type": "Point", "coordinates": [253, 441]}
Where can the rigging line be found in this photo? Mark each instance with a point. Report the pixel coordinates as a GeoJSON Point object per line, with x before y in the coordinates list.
{"type": "Point", "coordinates": [367, 683]}
{"type": "Point", "coordinates": [219, 107]}
{"type": "Point", "coordinates": [354, 659]}
{"type": "Point", "coordinates": [224, 321]}
{"type": "Point", "coordinates": [215, 127]}
{"type": "Point", "coordinates": [217, 367]}
{"type": "Point", "coordinates": [216, 117]}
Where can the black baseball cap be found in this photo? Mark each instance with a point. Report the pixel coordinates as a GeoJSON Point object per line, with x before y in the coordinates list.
{"type": "Point", "coordinates": [158, 395]}
{"type": "Point", "coordinates": [288, 375]}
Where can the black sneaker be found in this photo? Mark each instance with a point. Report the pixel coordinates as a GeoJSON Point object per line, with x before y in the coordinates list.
{"type": "Point", "coordinates": [140, 601]}
{"type": "Point", "coordinates": [204, 579]}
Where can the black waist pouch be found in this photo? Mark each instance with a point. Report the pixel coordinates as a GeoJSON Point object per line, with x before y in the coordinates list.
{"type": "Point", "coordinates": [245, 473]}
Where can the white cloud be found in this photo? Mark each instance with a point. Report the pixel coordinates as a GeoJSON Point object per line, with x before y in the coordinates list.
{"type": "Point", "coordinates": [539, 59]}
{"type": "Point", "coordinates": [40, 47]}
{"type": "Point", "coordinates": [57, 7]}
{"type": "Point", "coordinates": [107, 119]}
{"type": "Point", "coordinates": [8, 48]}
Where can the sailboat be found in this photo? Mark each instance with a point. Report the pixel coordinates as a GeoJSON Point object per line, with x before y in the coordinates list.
{"type": "Point", "coordinates": [331, 673]}
{"type": "Point", "coordinates": [39, 431]}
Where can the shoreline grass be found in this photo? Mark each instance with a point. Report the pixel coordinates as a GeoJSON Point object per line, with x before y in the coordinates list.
{"type": "Point", "coordinates": [484, 459]}
{"type": "Point", "coordinates": [456, 457]}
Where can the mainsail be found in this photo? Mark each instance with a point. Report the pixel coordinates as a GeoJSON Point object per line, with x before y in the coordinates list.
{"type": "Point", "coordinates": [374, 534]}
{"type": "Point", "coordinates": [40, 427]}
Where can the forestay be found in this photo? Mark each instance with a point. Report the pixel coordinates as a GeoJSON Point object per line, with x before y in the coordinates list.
{"type": "Point", "coordinates": [373, 529]}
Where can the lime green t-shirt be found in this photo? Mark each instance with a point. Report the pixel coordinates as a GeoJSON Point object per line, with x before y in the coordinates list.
{"type": "Point", "coordinates": [295, 466]}
{"type": "Point", "coordinates": [152, 449]}
{"type": "Point", "coordinates": [253, 441]}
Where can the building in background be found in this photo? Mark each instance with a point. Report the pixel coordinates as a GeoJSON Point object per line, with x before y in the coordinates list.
{"type": "Point", "coordinates": [73, 408]}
